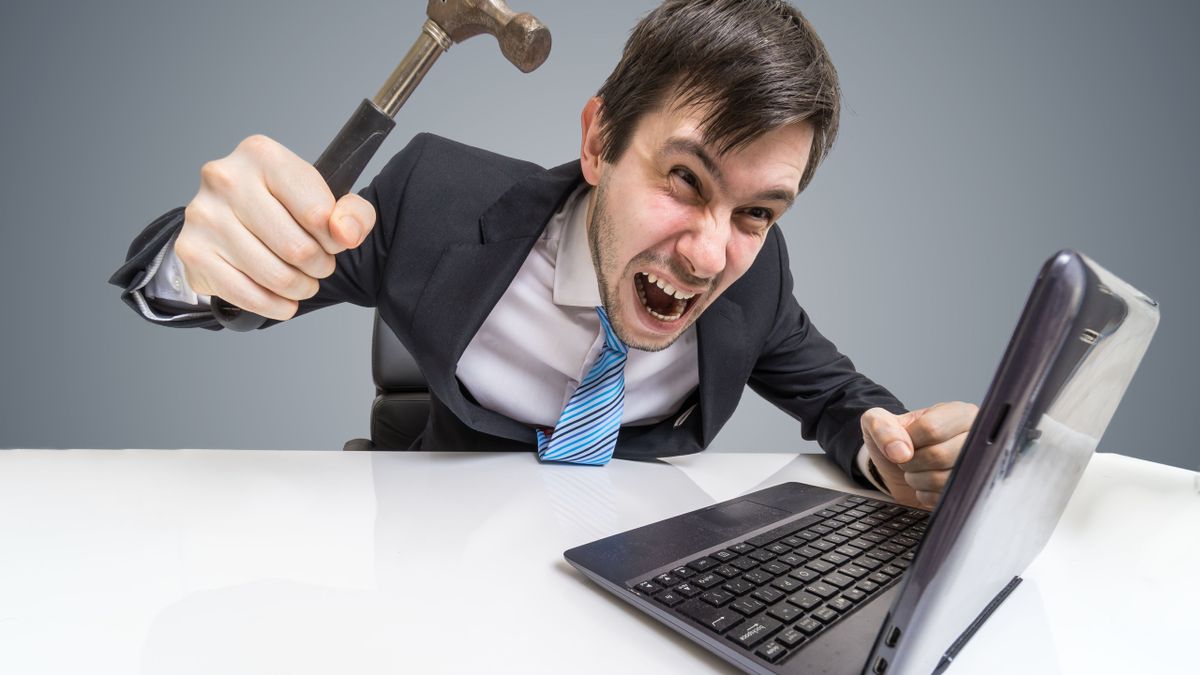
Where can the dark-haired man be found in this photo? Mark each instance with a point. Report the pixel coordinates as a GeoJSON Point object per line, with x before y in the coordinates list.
{"type": "Point", "coordinates": [614, 306]}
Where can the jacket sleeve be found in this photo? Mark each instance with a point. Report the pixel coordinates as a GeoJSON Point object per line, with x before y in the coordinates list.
{"type": "Point", "coordinates": [356, 278]}
{"type": "Point", "coordinates": [802, 372]}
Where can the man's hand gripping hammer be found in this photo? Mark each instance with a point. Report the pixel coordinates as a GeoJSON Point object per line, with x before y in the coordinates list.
{"type": "Point", "coordinates": [524, 41]}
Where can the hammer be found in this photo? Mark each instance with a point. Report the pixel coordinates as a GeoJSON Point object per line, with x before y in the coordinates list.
{"type": "Point", "coordinates": [524, 41]}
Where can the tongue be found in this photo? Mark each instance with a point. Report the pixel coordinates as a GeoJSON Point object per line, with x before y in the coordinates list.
{"type": "Point", "coordinates": [657, 300]}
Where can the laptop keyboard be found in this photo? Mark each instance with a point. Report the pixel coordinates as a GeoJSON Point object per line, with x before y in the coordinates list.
{"type": "Point", "coordinates": [773, 592]}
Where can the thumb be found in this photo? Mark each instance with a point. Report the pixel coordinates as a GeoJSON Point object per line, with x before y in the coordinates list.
{"type": "Point", "coordinates": [888, 434]}
{"type": "Point", "coordinates": [352, 220]}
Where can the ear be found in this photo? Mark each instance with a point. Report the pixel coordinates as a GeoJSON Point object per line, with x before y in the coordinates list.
{"type": "Point", "coordinates": [592, 146]}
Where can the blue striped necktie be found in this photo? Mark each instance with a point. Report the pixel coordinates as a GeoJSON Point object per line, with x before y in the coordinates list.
{"type": "Point", "coordinates": [587, 429]}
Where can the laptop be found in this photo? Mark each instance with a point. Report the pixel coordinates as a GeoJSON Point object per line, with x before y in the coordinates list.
{"type": "Point", "coordinates": [801, 579]}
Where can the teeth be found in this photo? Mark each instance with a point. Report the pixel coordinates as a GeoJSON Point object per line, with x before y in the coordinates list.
{"type": "Point", "coordinates": [679, 306]}
{"type": "Point", "coordinates": [669, 289]}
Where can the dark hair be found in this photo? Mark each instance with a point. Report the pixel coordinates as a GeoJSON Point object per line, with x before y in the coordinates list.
{"type": "Point", "coordinates": [754, 65]}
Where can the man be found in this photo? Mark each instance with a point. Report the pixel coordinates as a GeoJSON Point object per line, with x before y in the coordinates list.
{"type": "Point", "coordinates": [614, 306]}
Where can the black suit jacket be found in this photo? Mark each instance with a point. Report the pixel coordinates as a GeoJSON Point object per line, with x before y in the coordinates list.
{"type": "Point", "coordinates": [454, 225]}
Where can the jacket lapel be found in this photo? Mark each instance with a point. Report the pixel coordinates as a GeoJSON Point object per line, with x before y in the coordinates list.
{"type": "Point", "coordinates": [723, 364]}
{"type": "Point", "coordinates": [471, 277]}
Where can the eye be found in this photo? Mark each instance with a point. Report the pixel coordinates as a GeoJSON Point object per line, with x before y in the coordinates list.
{"type": "Point", "coordinates": [759, 213]}
{"type": "Point", "coordinates": [687, 177]}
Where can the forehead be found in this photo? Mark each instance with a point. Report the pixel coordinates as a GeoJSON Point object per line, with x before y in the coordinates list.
{"type": "Point", "coordinates": [777, 156]}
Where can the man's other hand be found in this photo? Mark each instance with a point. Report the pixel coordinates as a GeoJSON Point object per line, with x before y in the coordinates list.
{"type": "Point", "coordinates": [915, 452]}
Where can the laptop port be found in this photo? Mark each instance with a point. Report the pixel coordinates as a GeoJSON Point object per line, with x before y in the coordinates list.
{"type": "Point", "coordinates": [880, 666]}
{"type": "Point", "coordinates": [893, 637]}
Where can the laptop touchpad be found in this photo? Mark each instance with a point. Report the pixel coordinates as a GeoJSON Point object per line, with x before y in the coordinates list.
{"type": "Point", "coordinates": [737, 517]}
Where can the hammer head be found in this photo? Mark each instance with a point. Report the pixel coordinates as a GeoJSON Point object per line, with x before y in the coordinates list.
{"type": "Point", "coordinates": [524, 40]}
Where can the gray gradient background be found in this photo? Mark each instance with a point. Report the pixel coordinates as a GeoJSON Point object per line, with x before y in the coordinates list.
{"type": "Point", "coordinates": [978, 138]}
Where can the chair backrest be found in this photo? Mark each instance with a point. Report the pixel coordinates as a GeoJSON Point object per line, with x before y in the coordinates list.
{"type": "Point", "coordinates": [401, 406]}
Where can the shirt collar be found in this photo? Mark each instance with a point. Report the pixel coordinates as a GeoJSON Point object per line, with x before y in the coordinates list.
{"type": "Point", "coordinates": [575, 283]}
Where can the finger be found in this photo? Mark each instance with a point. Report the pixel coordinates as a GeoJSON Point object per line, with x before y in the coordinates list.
{"type": "Point", "coordinates": [936, 457]}
{"type": "Point", "coordinates": [235, 287]}
{"type": "Point", "coordinates": [250, 256]}
{"type": "Point", "coordinates": [274, 226]}
{"type": "Point", "coordinates": [300, 189]}
{"type": "Point", "coordinates": [928, 499]}
{"type": "Point", "coordinates": [353, 218]}
{"type": "Point", "coordinates": [885, 431]}
{"type": "Point", "coordinates": [927, 481]}
{"type": "Point", "coordinates": [942, 422]}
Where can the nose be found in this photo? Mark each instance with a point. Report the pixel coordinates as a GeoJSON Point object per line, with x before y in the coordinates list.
{"type": "Point", "coordinates": [703, 246]}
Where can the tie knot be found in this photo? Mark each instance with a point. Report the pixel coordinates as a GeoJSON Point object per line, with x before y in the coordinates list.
{"type": "Point", "coordinates": [610, 338]}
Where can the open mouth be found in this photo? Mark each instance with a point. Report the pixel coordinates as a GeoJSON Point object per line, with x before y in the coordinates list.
{"type": "Point", "coordinates": [661, 300]}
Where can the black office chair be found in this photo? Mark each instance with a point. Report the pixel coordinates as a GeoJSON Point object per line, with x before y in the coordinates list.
{"type": "Point", "coordinates": [401, 406]}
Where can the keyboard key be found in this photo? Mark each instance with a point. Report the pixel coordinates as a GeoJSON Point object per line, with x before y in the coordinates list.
{"type": "Point", "coordinates": [649, 587]}
{"type": "Point", "coordinates": [822, 545]}
{"type": "Point", "coordinates": [772, 651]}
{"type": "Point", "coordinates": [761, 555]}
{"type": "Point", "coordinates": [821, 589]}
{"type": "Point", "coordinates": [728, 571]}
{"type": "Point", "coordinates": [892, 571]}
{"type": "Point", "coordinates": [839, 580]}
{"type": "Point", "coordinates": [701, 564]}
{"type": "Point", "coordinates": [853, 571]}
{"type": "Point", "coordinates": [836, 538]}
{"type": "Point", "coordinates": [856, 500]}
{"type": "Point", "coordinates": [841, 604]}
{"type": "Point", "coordinates": [805, 574]}
{"type": "Point", "coordinates": [768, 594]}
{"type": "Point", "coordinates": [779, 548]}
{"type": "Point", "coordinates": [708, 580]}
{"type": "Point", "coordinates": [849, 551]}
{"type": "Point", "coordinates": [670, 598]}
{"type": "Point", "coordinates": [868, 586]}
{"type": "Point", "coordinates": [856, 513]}
{"type": "Point", "coordinates": [776, 568]}
{"type": "Point", "coordinates": [826, 615]}
{"type": "Point", "coordinates": [747, 606]}
{"type": "Point", "coordinates": [879, 578]}
{"type": "Point", "coordinates": [738, 586]}
{"type": "Point", "coordinates": [724, 556]}
{"type": "Point", "coordinates": [755, 631]}
{"type": "Point", "coordinates": [808, 625]}
{"type": "Point", "coordinates": [821, 529]}
{"type": "Point", "coordinates": [744, 564]}
{"type": "Point", "coordinates": [682, 572]}
{"type": "Point", "coordinates": [785, 612]}
{"type": "Point", "coordinates": [714, 618]}
{"type": "Point", "coordinates": [867, 562]}
{"type": "Point", "coordinates": [792, 560]}
{"type": "Point", "coordinates": [791, 637]}
{"type": "Point", "coordinates": [793, 541]}
{"type": "Point", "coordinates": [854, 595]}
{"type": "Point", "coordinates": [835, 558]}
{"type": "Point", "coordinates": [758, 577]}
{"type": "Point", "coordinates": [881, 554]}
{"type": "Point", "coordinates": [821, 566]}
{"type": "Point", "coordinates": [904, 541]}
{"type": "Point", "coordinates": [808, 552]}
{"type": "Point", "coordinates": [717, 598]}
{"type": "Point", "coordinates": [787, 584]}
{"type": "Point", "coordinates": [667, 580]}
{"type": "Point", "coordinates": [826, 513]}
{"type": "Point", "coordinates": [687, 590]}
{"type": "Point", "coordinates": [741, 548]}
{"type": "Point", "coordinates": [805, 601]}
{"type": "Point", "coordinates": [901, 563]}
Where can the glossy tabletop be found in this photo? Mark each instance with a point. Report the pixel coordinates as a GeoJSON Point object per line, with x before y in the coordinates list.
{"type": "Point", "coordinates": [207, 561]}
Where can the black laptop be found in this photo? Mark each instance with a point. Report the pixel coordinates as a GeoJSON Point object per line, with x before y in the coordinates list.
{"type": "Point", "coordinates": [801, 579]}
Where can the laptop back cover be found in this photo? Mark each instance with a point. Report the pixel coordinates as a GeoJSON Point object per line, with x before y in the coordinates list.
{"type": "Point", "coordinates": [1080, 338]}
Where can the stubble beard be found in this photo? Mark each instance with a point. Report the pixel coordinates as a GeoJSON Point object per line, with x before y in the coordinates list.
{"type": "Point", "coordinates": [602, 239]}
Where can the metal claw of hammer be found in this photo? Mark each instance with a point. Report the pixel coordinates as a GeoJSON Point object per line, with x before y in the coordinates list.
{"type": "Point", "coordinates": [524, 41]}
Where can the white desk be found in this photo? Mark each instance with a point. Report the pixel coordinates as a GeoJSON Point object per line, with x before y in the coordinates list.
{"type": "Point", "coordinates": [328, 562]}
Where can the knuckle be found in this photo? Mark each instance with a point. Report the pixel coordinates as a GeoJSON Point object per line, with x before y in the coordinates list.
{"type": "Point", "coordinates": [929, 427]}
{"type": "Point", "coordinates": [217, 175]}
{"type": "Point", "coordinates": [324, 267]}
{"type": "Point", "coordinates": [302, 252]}
{"type": "Point", "coordinates": [257, 144]}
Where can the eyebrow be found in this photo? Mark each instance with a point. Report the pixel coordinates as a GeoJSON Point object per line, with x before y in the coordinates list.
{"type": "Point", "coordinates": [688, 146]}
